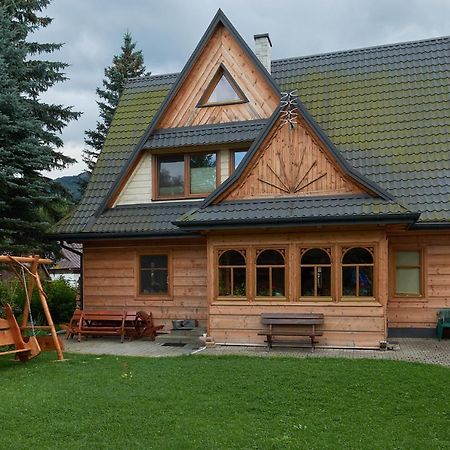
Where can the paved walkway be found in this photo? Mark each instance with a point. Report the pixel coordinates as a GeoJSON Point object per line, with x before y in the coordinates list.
{"type": "Point", "coordinates": [429, 351]}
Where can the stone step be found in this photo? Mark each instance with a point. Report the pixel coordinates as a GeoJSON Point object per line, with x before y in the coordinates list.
{"type": "Point", "coordinates": [178, 339]}
{"type": "Point", "coordinates": [198, 331]}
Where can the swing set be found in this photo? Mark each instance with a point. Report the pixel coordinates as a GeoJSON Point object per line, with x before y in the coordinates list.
{"type": "Point", "coordinates": [11, 334]}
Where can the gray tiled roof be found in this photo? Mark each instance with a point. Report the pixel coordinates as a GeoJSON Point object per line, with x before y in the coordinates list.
{"type": "Point", "coordinates": [385, 108]}
{"type": "Point", "coordinates": [387, 111]}
{"type": "Point", "coordinates": [149, 218]}
{"type": "Point", "coordinates": [224, 133]}
{"type": "Point", "coordinates": [295, 211]}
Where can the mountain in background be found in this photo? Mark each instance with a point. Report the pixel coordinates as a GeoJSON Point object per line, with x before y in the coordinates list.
{"type": "Point", "coordinates": [75, 184]}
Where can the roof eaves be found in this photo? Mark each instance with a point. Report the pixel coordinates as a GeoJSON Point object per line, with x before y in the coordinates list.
{"type": "Point", "coordinates": [80, 237]}
{"type": "Point", "coordinates": [408, 218]}
{"type": "Point", "coordinates": [220, 17]}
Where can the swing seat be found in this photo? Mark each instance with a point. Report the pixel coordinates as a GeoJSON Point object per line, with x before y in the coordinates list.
{"type": "Point", "coordinates": [25, 348]}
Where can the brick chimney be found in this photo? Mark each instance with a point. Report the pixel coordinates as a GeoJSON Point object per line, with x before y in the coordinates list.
{"type": "Point", "coordinates": [263, 49]}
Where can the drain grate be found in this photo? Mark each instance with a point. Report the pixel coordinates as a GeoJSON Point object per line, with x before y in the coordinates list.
{"type": "Point", "coordinates": [173, 344]}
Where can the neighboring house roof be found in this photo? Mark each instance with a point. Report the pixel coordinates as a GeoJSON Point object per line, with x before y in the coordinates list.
{"type": "Point", "coordinates": [386, 109]}
{"type": "Point", "coordinates": [222, 133]}
{"type": "Point", "coordinates": [69, 261]}
{"type": "Point", "coordinates": [350, 209]}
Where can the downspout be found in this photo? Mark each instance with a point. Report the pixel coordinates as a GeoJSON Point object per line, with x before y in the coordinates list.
{"type": "Point", "coordinates": [80, 254]}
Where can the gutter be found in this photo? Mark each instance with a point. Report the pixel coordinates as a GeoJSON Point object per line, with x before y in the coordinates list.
{"type": "Point", "coordinates": [79, 237]}
{"type": "Point", "coordinates": [385, 219]}
{"type": "Point", "coordinates": [430, 226]}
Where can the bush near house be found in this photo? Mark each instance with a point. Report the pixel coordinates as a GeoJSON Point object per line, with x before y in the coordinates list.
{"type": "Point", "coordinates": [61, 299]}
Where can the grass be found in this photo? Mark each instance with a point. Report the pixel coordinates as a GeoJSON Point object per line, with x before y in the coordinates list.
{"type": "Point", "coordinates": [230, 402]}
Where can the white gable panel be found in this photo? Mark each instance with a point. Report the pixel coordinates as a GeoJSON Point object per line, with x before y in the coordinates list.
{"type": "Point", "coordinates": [138, 188]}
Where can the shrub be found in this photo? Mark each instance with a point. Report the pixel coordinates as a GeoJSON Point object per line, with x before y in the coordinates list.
{"type": "Point", "coordinates": [61, 299]}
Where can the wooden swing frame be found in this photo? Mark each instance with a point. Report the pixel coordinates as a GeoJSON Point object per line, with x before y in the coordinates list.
{"type": "Point", "coordinates": [30, 265]}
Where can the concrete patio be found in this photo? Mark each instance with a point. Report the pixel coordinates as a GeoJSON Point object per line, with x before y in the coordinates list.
{"type": "Point", "coordinates": [429, 351]}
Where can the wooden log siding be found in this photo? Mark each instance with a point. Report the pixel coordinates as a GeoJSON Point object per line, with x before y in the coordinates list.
{"type": "Point", "coordinates": [221, 49]}
{"type": "Point", "coordinates": [354, 323]}
{"type": "Point", "coordinates": [111, 280]}
{"type": "Point", "coordinates": [287, 156]}
{"type": "Point", "coordinates": [420, 312]}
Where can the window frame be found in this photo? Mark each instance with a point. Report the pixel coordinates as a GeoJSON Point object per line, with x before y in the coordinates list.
{"type": "Point", "coordinates": [285, 254]}
{"type": "Point", "coordinates": [244, 253]}
{"type": "Point", "coordinates": [221, 71]}
{"type": "Point", "coordinates": [232, 159]}
{"type": "Point", "coordinates": [357, 298]}
{"type": "Point", "coordinates": [393, 273]}
{"type": "Point", "coordinates": [315, 298]}
{"type": "Point", "coordinates": [156, 158]}
{"type": "Point", "coordinates": [166, 296]}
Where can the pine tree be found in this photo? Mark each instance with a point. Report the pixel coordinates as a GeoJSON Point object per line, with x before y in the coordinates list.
{"type": "Point", "coordinates": [29, 130]}
{"type": "Point", "coordinates": [129, 64]}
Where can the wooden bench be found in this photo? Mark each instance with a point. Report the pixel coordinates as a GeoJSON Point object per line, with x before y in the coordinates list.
{"type": "Point", "coordinates": [10, 335]}
{"type": "Point", "coordinates": [112, 323]}
{"type": "Point", "coordinates": [73, 324]}
{"type": "Point", "coordinates": [291, 324]}
{"type": "Point", "coordinates": [101, 323]}
{"type": "Point", "coordinates": [145, 327]}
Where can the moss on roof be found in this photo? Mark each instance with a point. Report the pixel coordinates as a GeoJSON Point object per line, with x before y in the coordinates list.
{"type": "Point", "coordinates": [385, 108]}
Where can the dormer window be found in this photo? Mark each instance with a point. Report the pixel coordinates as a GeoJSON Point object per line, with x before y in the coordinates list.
{"type": "Point", "coordinates": [184, 176]}
{"type": "Point", "coordinates": [222, 90]}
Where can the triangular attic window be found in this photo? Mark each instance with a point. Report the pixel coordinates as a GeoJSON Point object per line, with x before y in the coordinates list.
{"type": "Point", "coordinates": [222, 90]}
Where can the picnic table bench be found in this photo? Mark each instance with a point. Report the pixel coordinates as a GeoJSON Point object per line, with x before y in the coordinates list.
{"type": "Point", "coordinates": [291, 324]}
{"type": "Point", "coordinates": [112, 323]}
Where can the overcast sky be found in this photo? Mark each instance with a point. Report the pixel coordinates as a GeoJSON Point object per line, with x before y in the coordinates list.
{"type": "Point", "coordinates": [168, 30]}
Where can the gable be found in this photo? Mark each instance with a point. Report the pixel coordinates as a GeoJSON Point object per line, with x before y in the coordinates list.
{"type": "Point", "coordinates": [386, 108]}
{"type": "Point", "coordinates": [221, 52]}
{"type": "Point", "coordinates": [291, 162]}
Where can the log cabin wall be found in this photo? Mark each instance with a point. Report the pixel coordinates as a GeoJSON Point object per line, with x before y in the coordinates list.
{"type": "Point", "coordinates": [111, 277]}
{"type": "Point", "coordinates": [419, 312]}
{"type": "Point", "coordinates": [355, 323]}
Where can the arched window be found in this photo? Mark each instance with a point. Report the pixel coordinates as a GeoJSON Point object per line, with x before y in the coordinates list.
{"type": "Point", "coordinates": [357, 272]}
{"type": "Point", "coordinates": [232, 273]}
{"type": "Point", "coordinates": [270, 273]}
{"type": "Point", "coordinates": [315, 273]}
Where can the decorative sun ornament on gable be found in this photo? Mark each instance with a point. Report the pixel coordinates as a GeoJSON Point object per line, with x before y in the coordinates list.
{"type": "Point", "coordinates": [292, 177]}
{"type": "Point", "coordinates": [222, 90]}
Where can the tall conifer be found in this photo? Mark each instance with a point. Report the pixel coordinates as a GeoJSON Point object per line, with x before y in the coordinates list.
{"type": "Point", "coordinates": [30, 129]}
{"type": "Point", "coordinates": [129, 64]}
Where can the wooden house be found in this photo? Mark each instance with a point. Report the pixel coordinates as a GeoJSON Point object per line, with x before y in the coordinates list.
{"type": "Point", "coordinates": [217, 197]}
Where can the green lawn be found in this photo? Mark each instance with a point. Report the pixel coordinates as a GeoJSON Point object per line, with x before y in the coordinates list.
{"type": "Point", "coordinates": [200, 402]}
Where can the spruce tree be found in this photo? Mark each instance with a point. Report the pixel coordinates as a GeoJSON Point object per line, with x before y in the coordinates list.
{"type": "Point", "coordinates": [29, 130]}
{"type": "Point", "coordinates": [129, 64]}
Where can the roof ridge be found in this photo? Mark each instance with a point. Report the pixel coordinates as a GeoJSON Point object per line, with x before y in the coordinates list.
{"type": "Point", "coordinates": [362, 49]}
{"type": "Point", "coordinates": [160, 76]}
